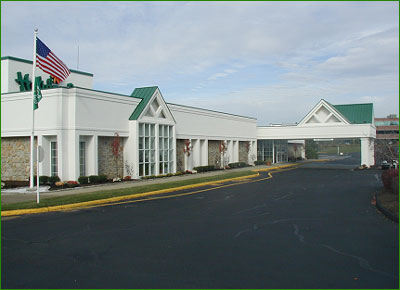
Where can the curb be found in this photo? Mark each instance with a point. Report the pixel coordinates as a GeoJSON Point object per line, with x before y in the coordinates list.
{"type": "Point", "coordinates": [384, 211]}
{"type": "Point", "coordinates": [18, 212]}
{"type": "Point", "coordinates": [116, 199]}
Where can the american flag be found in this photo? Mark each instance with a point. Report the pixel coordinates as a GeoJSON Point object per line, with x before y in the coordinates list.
{"type": "Point", "coordinates": [48, 62]}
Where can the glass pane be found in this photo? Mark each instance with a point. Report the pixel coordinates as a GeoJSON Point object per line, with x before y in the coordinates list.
{"type": "Point", "coordinates": [165, 155]}
{"type": "Point", "coordinates": [141, 170]}
{"type": "Point", "coordinates": [152, 170]}
{"type": "Point", "coordinates": [161, 143]}
{"type": "Point", "coordinates": [166, 143]}
{"type": "Point", "coordinates": [170, 131]}
{"type": "Point", "coordinates": [152, 155]}
{"type": "Point", "coordinates": [170, 143]}
{"type": "Point", "coordinates": [146, 156]}
{"type": "Point", "coordinates": [147, 130]}
{"type": "Point", "coordinates": [146, 169]}
{"type": "Point", "coordinates": [151, 143]}
{"type": "Point", "coordinates": [140, 156]}
{"type": "Point", "coordinates": [161, 168]}
{"type": "Point", "coordinates": [152, 130]}
{"type": "Point", "coordinates": [147, 143]}
{"type": "Point", "coordinates": [140, 142]}
{"type": "Point", "coordinates": [141, 129]}
{"type": "Point", "coordinates": [160, 155]}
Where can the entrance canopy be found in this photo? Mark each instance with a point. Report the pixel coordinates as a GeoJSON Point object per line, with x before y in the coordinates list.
{"type": "Point", "coordinates": [327, 121]}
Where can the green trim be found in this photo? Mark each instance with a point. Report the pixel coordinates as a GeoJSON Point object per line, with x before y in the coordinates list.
{"type": "Point", "coordinates": [197, 108]}
{"type": "Point", "coordinates": [31, 62]}
{"type": "Point", "coordinates": [145, 94]}
{"type": "Point", "coordinates": [105, 92]}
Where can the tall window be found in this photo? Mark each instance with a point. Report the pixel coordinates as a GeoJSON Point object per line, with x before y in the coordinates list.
{"type": "Point", "coordinates": [53, 159]}
{"type": "Point", "coordinates": [264, 150]}
{"type": "Point", "coordinates": [165, 145]}
{"type": "Point", "coordinates": [147, 149]}
{"type": "Point", "coordinates": [82, 159]}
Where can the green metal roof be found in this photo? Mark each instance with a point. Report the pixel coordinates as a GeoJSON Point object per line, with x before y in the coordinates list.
{"type": "Point", "coordinates": [357, 113]}
{"type": "Point", "coordinates": [145, 94]}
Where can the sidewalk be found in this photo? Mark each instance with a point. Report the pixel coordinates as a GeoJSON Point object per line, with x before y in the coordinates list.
{"type": "Point", "coordinates": [14, 197]}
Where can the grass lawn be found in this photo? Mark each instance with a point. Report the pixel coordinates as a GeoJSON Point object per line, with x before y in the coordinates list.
{"type": "Point", "coordinates": [68, 199]}
{"type": "Point", "coordinates": [344, 148]}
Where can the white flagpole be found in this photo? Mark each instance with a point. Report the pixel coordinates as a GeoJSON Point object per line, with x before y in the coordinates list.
{"type": "Point", "coordinates": [33, 111]}
{"type": "Point", "coordinates": [37, 170]}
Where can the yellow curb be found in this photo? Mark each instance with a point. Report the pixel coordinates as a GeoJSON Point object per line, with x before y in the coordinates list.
{"type": "Point", "coordinates": [118, 198]}
{"type": "Point", "coordinates": [275, 167]}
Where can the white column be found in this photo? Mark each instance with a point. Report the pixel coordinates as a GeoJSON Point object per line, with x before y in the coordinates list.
{"type": "Point", "coordinates": [230, 151]}
{"type": "Point", "coordinates": [92, 155]}
{"type": "Point", "coordinates": [40, 143]}
{"type": "Point", "coordinates": [131, 151]}
{"type": "Point", "coordinates": [174, 153]}
{"type": "Point", "coordinates": [367, 152]}
{"type": "Point", "coordinates": [61, 156]}
{"type": "Point", "coordinates": [273, 151]}
{"type": "Point", "coordinates": [236, 151]}
{"type": "Point", "coordinates": [196, 152]}
{"type": "Point", "coordinates": [157, 148]}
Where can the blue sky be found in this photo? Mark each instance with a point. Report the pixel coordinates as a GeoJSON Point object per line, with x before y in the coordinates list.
{"type": "Point", "coordinates": [269, 60]}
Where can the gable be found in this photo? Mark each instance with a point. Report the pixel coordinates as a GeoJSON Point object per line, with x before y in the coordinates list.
{"type": "Point", "coordinates": [324, 113]}
{"type": "Point", "coordinates": [152, 107]}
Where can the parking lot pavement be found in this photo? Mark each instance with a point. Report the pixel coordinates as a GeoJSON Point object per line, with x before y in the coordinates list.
{"type": "Point", "coordinates": [303, 228]}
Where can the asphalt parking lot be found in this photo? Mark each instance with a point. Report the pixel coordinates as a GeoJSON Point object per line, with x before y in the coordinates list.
{"type": "Point", "coordinates": [303, 228]}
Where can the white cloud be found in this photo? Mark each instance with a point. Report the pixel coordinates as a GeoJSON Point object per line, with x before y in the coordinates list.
{"type": "Point", "coordinates": [332, 49]}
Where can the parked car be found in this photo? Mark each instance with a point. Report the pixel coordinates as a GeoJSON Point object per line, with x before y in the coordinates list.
{"type": "Point", "coordinates": [385, 164]}
{"type": "Point", "coordinates": [392, 164]}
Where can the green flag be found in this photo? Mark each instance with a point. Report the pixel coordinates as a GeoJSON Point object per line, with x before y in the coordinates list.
{"type": "Point", "coordinates": [37, 97]}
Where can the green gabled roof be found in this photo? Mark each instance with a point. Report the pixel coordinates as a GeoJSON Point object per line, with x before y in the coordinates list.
{"type": "Point", "coordinates": [145, 94]}
{"type": "Point", "coordinates": [357, 113]}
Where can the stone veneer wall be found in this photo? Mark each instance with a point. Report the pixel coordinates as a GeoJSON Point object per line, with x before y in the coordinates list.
{"type": "Point", "coordinates": [107, 164]}
{"type": "Point", "coordinates": [15, 158]}
{"type": "Point", "coordinates": [214, 157]}
{"type": "Point", "coordinates": [243, 155]}
{"type": "Point", "coordinates": [180, 155]}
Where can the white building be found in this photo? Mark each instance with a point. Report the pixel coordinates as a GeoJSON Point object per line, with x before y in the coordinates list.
{"type": "Point", "coordinates": [77, 126]}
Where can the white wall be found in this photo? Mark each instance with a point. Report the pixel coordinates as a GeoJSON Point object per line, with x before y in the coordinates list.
{"type": "Point", "coordinates": [195, 123]}
{"type": "Point", "coordinates": [318, 131]}
{"type": "Point", "coordinates": [68, 114]}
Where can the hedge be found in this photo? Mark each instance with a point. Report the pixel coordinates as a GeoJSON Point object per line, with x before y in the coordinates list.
{"type": "Point", "coordinates": [237, 165]}
{"type": "Point", "coordinates": [204, 168]}
{"type": "Point", "coordinates": [83, 179]}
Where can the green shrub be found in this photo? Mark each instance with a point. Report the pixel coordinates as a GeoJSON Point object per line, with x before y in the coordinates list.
{"type": "Point", "coordinates": [102, 178]}
{"type": "Point", "coordinates": [93, 179]}
{"type": "Point", "coordinates": [204, 168]}
{"type": "Point", "coordinates": [259, 162]}
{"type": "Point", "coordinates": [237, 165]}
{"type": "Point", "coordinates": [53, 179]}
{"type": "Point", "coordinates": [43, 180]}
{"type": "Point", "coordinates": [83, 179]}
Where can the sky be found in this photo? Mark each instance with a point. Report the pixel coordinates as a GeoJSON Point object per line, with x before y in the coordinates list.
{"type": "Point", "coordinates": [269, 60]}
